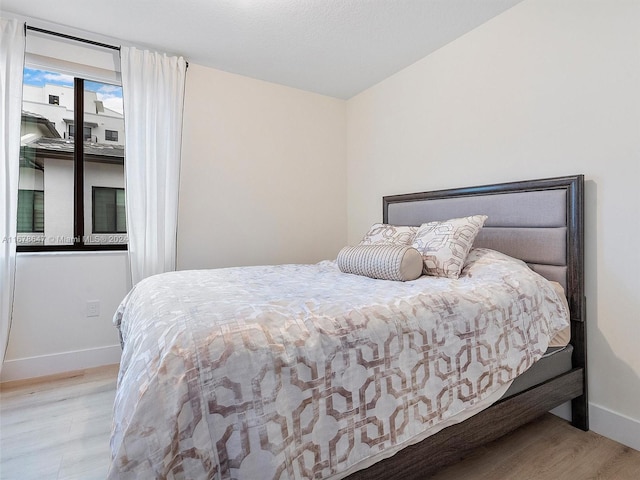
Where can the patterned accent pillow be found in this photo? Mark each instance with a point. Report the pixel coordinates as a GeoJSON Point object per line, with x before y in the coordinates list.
{"type": "Point", "coordinates": [445, 245]}
{"type": "Point", "coordinates": [383, 234]}
{"type": "Point", "coordinates": [385, 262]}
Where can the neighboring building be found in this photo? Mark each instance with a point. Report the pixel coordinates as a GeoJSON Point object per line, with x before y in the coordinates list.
{"type": "Point", "coordinates": [45, 203]}
{"type": "Point", "coordinates": [55, 102]}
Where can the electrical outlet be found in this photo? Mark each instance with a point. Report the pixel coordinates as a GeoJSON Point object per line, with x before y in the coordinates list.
{"type": "Point", "coordinates": [93, 308]}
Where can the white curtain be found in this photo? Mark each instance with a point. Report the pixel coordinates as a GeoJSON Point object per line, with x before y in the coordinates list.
{"type": "Point", "coordinates": [153, 91]}
{"type": "Point", "coordinates": [12, 42]}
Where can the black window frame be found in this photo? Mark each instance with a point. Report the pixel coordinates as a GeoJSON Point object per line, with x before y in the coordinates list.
{"type": "Point", "coordinates": [115, 190]}
{"type": "Point", "coordinates": [33, 211]}
{"type": "Point", "coordinates": [79, 244]}
{"type": "Point", "coordinates": [110, 135]}
{"type": "Point", "coordinates": [54, 99]}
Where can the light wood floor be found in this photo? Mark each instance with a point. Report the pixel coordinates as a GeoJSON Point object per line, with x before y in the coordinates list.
{"type": "Point", "coordinates": [548, 449]}
{"type": "Point", "coordinates": [59, 429]}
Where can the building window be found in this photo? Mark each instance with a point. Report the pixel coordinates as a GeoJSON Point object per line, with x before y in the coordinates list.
{"type": "Point", "coordinates": [62, 172]}
{"type": "Point", "coordinates": [109, 215]}
{"type": "Point", "coordinates": [30, 211]}
{"type": "Point", "coordinates": [111, 135]}
{"type": "Point", "coordinates": [86, 132]}
{"type": "Point", "coordinates": [54, 100]}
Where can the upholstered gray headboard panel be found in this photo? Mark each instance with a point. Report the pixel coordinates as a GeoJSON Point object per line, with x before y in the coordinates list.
{"type": "Point", "coordinates": [531, 226]}
{"type": "Point", "coordinates": [538, 221]}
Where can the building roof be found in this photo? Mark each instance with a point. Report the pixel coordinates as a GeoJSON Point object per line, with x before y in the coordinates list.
{"type": "Point", "coordinates": [56, 147]}
{"type": "Point", "coordinates": [62, 148]}
{"type": "Point", "coordinates": [90, 148]}
{"type": "Point", "coordinates": [39, 119]}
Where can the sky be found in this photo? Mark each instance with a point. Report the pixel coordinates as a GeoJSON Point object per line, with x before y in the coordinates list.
{"type": "Point", "coordinates": [110, 95]}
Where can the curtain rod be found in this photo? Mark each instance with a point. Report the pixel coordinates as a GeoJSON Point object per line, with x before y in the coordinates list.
{"type": "Point", "coordinates": [77, 39]}
{"type": "Point", "coordinates": [71, 37]}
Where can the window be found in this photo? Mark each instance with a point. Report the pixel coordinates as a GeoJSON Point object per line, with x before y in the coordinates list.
{"type": "Point", "coordinates": [66, 176]}
{"type": "Point", "coordinates": [86, 132]}
{"type": "Point", "coordinates": [111, 135]}
{"type": "Point", "coordinates": [108, 210]}
{"type": "Point", "coordinates": [54, 100]}
{"type": "Point", "coordinates": [30, 211]}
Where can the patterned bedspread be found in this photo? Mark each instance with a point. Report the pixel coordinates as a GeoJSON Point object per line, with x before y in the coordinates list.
{"type": "Point", "coordinates": [301, 371]}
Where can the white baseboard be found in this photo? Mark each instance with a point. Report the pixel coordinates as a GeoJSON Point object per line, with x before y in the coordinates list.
{"type": "Point", "coordinates": [42, 366]}
{"type": "Point", "coordinates": [615, 426]}
{"type": "Point", "coordinates": [609, 424]}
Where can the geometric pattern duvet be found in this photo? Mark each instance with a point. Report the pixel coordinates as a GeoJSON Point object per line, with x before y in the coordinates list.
{"type": "Point", "coordinates": [301, 371]}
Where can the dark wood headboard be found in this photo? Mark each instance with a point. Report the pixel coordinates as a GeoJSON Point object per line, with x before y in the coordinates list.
{"type": "Point", "coordinates": [538, 221]}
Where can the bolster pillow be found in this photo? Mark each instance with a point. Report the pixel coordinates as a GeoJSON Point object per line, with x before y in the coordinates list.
{"type": "Point", "coordinates": [384, 262]}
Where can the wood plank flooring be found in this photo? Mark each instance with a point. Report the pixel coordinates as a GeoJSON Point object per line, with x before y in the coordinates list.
{"type": "Point", "coordinates": [59, 428]}
{"type": "Point", "coordinates": [548, 449]}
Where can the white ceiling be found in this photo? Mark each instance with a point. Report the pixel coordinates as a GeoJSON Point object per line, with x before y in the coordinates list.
{"type": "Point", "coordinates": [332, 47]}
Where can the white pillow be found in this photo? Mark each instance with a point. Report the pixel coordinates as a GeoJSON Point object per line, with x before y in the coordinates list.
{"type": "Point", "coordinates": [383, 234]}
{"type": "Point", "coordinates": [384, 262]}
{"type": "Point", "coordinates": [445, 245]}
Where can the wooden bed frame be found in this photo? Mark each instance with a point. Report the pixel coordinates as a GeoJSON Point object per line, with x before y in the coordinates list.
{"type": "Point", "coordinates": [450, 445]}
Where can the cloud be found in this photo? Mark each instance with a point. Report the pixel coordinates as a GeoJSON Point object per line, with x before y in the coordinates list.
{"type": "Point", "coordinates": [110, 95]}
{"type": "Point", "coordinates": [58, 78]}
{"type": "Point", "coordinates": [38, 78]}
{"type": "Point", "coordinates": [112, 102]}
{"type": "Point", "coordinates": [106, 88]}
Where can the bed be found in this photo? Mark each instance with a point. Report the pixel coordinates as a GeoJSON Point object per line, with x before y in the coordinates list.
{"type": "Point", "coordinates": [281, 386]}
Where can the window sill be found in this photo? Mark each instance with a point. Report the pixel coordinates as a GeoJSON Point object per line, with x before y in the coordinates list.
{"type": "Point", "coordinates": [70, 250]}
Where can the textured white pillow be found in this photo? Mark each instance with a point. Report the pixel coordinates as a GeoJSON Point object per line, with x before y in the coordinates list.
{"type": "Point", "coordinates": [383, 234]}
{"type": "Point", "coordinates": [385, 262]}
{"type": "Point", "coordinates": [445, 245]}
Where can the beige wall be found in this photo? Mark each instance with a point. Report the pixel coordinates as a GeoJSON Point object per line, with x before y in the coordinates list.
{"type": "Point", "coordinates": [548, 88]}
{"type": "Point", "coordinates": [263, 176]}
{"type": "Point", "coordinates": [263, 180]}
